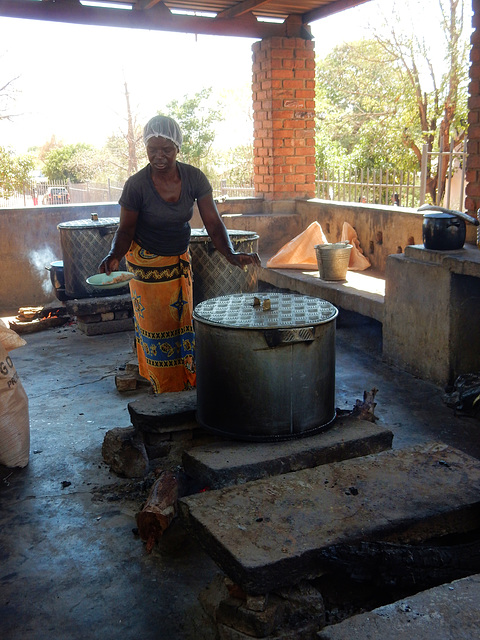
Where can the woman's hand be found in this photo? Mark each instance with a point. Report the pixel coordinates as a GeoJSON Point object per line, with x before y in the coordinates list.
{"type": "Point", "coordinates": [240, 259]}
{"type": "Point", "coordinates": [219, 234]}
{"type": "Point", "coordinates": [108, 264]}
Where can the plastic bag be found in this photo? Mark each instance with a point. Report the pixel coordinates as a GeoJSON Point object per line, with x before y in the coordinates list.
{"type": "Point", "coordinates": [300, 252]}
{"type": "Point", "coordinates": [14, 418]}
{"type": "Point", "coordinates": [358, 262]}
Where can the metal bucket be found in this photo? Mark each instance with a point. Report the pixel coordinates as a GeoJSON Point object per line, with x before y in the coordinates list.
{"type": "Point", "coordinates": [265, 374]}
{"type": "Point", "coordinates": [213, 275]}
{"type": "Point", "coordinates": [84, 245]}
{"type": "Point", "coordinates": [333, 259]}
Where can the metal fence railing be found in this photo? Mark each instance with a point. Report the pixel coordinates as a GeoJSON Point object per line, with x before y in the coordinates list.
{"type": "Point", "coordinates": [65, 192]}
{"type": "Point", "coordinates": [404, 188]}
{"type": "Point", "coordinates": [373, 186]}
{"type": "Point", "coordinates": [223, 190]}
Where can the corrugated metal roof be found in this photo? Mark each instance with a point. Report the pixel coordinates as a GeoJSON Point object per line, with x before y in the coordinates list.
{"type": "Point", "coordinates": [211, 17]}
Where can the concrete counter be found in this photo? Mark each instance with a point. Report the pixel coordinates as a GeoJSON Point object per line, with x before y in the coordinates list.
{"type": "Point", "coordinates": [432, 306]}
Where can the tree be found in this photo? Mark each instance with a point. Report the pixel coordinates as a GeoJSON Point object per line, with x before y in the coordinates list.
{"type": "Point", "coordinates": [360, 105]}
{"type": "Point", "coordinates": [45, 149]}
{"type": "Point", "coordinates": [381, 100]}
{"type": "Point", "coordinates": [196, 119]}
{"type": "Point", "coordinates": [116, 153]}
{"type": "Point", "coordinates": [14, 172]}
{"type": "Point", "coordinates": [7, 97]}
{"type": "Point", "coordinates": [441, 108]}
{"type": "Point", "coordinates": [236, 165]}
{"type": "Point", "coordinates": [76, 162]}
{"type": "Point", "coordinates": [123, 152]}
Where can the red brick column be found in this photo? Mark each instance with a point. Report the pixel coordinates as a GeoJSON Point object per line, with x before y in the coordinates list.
{"type": "Point", "coordinates": [472, 200]}
{"type": "Point", "coordinates": [284, 118]}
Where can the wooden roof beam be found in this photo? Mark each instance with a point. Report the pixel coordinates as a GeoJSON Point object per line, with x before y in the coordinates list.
{"type": "Point", "coordinates": [72, 12]}
{"type": "Point", "coordinates": [241, 8]}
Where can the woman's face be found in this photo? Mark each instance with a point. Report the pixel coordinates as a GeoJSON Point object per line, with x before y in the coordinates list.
{"type": "Point", "coordinates": [162, 153]}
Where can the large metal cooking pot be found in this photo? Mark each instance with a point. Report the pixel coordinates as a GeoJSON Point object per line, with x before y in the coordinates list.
{"type": "Point", "coordinates": [213, 275]}
{"type": "Point", "coordinates": [84, 245]}
{"type": "Point", "coordinates": [444, 229]}
{"type": "Point", "coordinates": [266, 371]}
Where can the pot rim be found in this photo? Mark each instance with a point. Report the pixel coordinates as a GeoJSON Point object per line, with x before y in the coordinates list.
{"type": "Point", "coordinates": [440, 215]}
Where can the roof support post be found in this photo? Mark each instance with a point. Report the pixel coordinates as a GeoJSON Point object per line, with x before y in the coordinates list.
{"type": "Point", "coordinates": [284, 117]}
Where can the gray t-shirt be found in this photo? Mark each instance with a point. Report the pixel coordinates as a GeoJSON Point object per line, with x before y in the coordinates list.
{"type": "Point", "coordinates": [163, 227]}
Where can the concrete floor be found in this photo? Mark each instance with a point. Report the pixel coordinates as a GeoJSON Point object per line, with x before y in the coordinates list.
{"type": "Point", "coordinates": [70, 564]}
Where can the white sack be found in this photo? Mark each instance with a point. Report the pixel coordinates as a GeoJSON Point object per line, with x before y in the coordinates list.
{"type": "Point", "coordinates": [9, 338]}
{"type": "Point", "coordinates": [14, 419]}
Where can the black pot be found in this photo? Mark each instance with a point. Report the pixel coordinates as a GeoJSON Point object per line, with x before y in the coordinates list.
{"type": "Point", "coordinates": [443, 231]}
{"type": "Point", "coordinates": [57, 278]}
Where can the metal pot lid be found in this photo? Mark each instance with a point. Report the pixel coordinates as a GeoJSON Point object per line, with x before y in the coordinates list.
{"type": "Point", "coordinates": [286, 310]}
{"type": "Point", "coordinates": [201, 235]}
{"type": "Point", "coordinates": [89, 224]}
{"type": "Point", "coordinates": [439, 215]}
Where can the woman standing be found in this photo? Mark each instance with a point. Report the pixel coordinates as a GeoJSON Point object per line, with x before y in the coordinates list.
{"type": "Point", "coordinates": [154, 234]}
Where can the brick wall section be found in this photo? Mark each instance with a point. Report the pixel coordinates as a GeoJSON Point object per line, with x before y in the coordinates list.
{"type": "Point", "coordinates": [472, 201]}
{"type": "Point", "coordinates": [284, 118]}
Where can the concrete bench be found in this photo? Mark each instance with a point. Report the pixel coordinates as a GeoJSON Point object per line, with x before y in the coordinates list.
{"type": "Point", "coordinates": [363, 292]}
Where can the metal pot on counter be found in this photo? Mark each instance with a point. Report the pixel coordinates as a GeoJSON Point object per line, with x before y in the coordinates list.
{"type": "Point", "coordinates": [444, 229]}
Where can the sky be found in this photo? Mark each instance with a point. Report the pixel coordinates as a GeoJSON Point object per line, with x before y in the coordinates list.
{"type": "Point", "coordinates": [71, 77]}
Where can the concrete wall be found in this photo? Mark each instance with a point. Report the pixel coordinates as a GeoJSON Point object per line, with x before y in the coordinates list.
{"type": "Point", "coordinates": [30, 240]}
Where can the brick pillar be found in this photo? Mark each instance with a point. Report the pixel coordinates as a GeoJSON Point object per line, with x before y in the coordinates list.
{"type": "Point", "coordinates": [284, 118]}
{"type": "Point", "coordinates": [472, 201]}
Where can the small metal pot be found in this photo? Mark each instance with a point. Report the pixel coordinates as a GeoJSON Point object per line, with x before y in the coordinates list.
{"type": "Point", "coordinates": [57, 278]}
{"type": "Point", "coordinates": [443, 231]}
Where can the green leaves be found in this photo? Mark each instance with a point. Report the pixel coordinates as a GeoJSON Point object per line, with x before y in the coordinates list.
{"type": "Point", "coordinates": [14, 172]}
{"type": "Point", "coordinates": [196, 116]}
{"type": "Point", "coordinates": [380, 100]}
{"type": "Point", "coordinates": [74, 162]}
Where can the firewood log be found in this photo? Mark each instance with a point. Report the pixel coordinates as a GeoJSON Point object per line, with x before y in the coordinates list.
{"type": "Point", "coordinates": [159, 510]}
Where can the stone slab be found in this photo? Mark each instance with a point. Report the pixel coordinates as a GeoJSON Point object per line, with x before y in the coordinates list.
{"type": "Point", "coordinates": [225, 463]}
{"type": "Point", "coordinates": [448, 612]}
{"type": "Point", "coordinates": [272, 532]}
{"type": "Point", "coordinates": [103, 304]}
{"type": "Point", "coordinates": [163, 412]}
{"type": "Point", "coordinates": [101, 328]}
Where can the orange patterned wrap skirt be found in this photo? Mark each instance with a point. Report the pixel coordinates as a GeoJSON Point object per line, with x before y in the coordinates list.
{"type": "Point", "coordinates": [162, 296]}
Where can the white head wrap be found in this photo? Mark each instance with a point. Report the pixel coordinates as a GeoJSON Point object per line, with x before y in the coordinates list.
{"type": "Point", "coordinates": [165, 127]}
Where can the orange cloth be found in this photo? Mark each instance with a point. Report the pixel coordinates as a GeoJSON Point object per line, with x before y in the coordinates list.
{"type": "Point", "coordinates": [300, 252]}
{"type": "Point", "coordinates": [358, 262]}
{"type": "Point", "coordinates": [162, 296]}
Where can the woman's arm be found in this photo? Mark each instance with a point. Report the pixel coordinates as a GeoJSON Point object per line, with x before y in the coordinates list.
{"type": "Point", "coordinates": [121, 242]}
{"type": "Point", "coordinates": [219, 234]}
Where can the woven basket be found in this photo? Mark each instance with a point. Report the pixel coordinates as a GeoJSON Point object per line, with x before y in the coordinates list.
{"type": "Point", "coordinates": [333, 259]}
